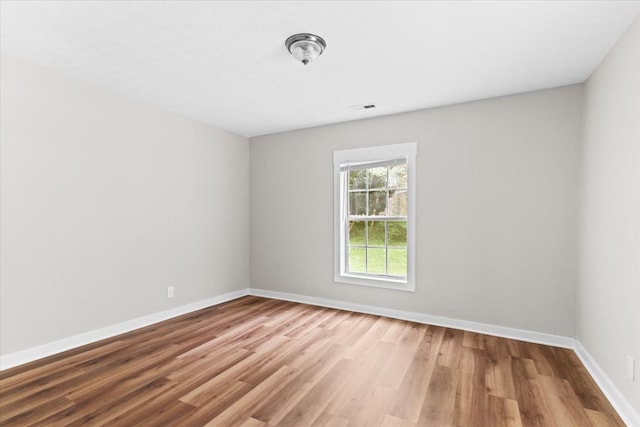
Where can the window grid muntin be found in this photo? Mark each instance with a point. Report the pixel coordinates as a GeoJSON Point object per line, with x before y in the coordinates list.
{"type": "Point", "coordinates": [367, 218]}
{"type": "Point", "coordinates": [366, 246]}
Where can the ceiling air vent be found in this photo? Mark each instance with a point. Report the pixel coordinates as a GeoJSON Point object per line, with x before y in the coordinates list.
{"type": "Point", "coordinates": [362, 107]}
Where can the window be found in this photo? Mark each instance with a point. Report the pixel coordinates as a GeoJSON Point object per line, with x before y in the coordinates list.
{"type": "Point", "coordinates": [374, 216]}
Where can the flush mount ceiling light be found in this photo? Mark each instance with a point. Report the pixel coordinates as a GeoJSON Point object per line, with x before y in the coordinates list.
{"type": "Point", "coordinates": [305, 47]}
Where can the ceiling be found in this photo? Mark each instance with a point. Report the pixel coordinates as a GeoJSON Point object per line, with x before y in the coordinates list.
{"type": "Point", "coordinates": [225, 63]}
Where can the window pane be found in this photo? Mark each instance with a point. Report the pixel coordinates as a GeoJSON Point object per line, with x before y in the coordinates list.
{"type": "Point", "coordinates": [358, 203]}
{"type": "Point", "coordinates": [375, 233]}
{"type": "Point", "coordinates": [398, 203]}
{"type": "Point", "coordinates": [377, 177]}
{"type": "Point", "coordinates": [397, 233]}
{"type": "Point", "coordinates": [376, 261]}
{"type": "Point", "coordinates": [398, 176]}
{"type": "Point", "coordinates": [356, 232]}
{"type": "Point", "coordinates": [377, 202]}
{"type": "Point", "coordinates": [357, 179]}
{"type": "Point", "coordinates": [371, 238]}
{"type": "Point", "coordinates": [356, 260]}
{"type": "Point", "coordinates": [398, 262]}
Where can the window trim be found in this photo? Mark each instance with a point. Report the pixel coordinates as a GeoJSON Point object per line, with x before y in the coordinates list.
{"type": "Point", "coordinates": [382, 154]}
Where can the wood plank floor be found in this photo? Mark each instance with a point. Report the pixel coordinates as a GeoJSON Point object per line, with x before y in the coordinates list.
{"type": "Point", "coordinates": [258, 362]}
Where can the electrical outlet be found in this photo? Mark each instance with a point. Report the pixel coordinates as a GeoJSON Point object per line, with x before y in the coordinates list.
{"type": "Point", "coordinates": [170, 292]}
{"type": "Point", "coordinates": [631, 368]}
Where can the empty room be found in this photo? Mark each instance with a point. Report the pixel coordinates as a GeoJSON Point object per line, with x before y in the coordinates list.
{"type": "Point", "coordinates": [320, 213]}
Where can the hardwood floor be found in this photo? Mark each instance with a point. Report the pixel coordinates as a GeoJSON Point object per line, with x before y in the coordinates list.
{"type": "Point", "coordinates": [258, 362]}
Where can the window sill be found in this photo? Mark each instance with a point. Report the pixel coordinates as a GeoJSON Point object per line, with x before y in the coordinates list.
{"type": "Point", "coordinates": [398, 285]}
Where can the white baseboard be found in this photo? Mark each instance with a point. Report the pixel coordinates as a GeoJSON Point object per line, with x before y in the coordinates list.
{"type": "Point", "coordinates": [41, 351]}
{"type": "Point", "coordinates": [625, 410]}
{"type": "Point", "coordinates": [483, 328]}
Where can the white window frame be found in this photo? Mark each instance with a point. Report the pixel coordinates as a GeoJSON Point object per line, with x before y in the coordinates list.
{"type": "Point", "coordinates": [373, 154]}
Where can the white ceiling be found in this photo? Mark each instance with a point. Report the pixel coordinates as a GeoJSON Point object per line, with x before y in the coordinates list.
{"type": "Point", "coordinates": [225, 63]}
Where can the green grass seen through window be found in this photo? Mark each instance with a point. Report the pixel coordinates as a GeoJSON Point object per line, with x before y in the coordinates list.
{"type": "Point", "coordinates": [373, 259]}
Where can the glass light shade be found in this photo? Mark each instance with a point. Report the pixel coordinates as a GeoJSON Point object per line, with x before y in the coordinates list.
{"type": "Point", "coordinates": [305, 51]}
{"type": "Point", "coordinates": [305, 47]}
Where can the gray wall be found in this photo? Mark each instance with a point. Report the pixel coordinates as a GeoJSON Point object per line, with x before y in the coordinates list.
{"type": "Point", "coordinates": [609, 291]}
{"type": "Point", "coordinates": [106, 202]}
{"type": "Point", "coordinates": [496, 210]}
